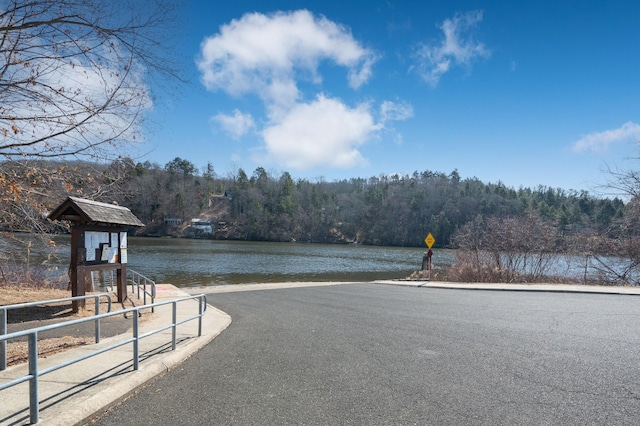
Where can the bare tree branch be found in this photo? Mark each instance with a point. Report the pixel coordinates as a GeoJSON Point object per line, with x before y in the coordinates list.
{"type": "Point", "coordinates": [75, 74]}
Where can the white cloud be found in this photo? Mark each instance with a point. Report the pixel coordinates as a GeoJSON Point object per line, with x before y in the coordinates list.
{"type": "Point", "coordinates": [267, 56]}
{"type": "Point", "coordinates": [237, 124]}
{"type": "Point", "coordinates": [600, 141]}
{"type": "Point", "coordinates": [324, 132]}
{"type": "Point", "coordinates": [395, 111]}
{"type": "Point", "coordinates": [457, 48]}
{"type": "Point", "coordinates": [264, 54]}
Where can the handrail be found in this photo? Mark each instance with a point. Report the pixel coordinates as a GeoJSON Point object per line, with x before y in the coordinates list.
{"type": "Point", "coordinates": [32, 334]}
{"type": "Point", "coordinates": [4, 309]}
{"type": "Point", "coordinates": [136, 278]}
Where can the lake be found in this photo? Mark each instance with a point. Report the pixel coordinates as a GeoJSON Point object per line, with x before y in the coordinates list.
{"type": "Point", "coordinates": [186, 262]}
{"type": "Point", "coordinates": [195, 263]}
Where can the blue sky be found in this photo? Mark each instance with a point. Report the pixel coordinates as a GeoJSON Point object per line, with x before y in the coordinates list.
{"type": "Point", "coordinates": [533, 93]}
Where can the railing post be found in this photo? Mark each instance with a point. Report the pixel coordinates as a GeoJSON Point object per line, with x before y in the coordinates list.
{"type": "Point", "coordinates": [144, 291]}
{"type": "Point", "coordinates": [201, 301]}
{"type": "Point", "coordinates": [34, 407]}
{"type": "Point", "coordinates": [97, 312]}
{"type": "Point", "coordinates": [153, 296]}
{"type": "Point", "coordinates": [174, 330]}
{"type": "Point", "coordinates": [136, 341]}
{"type": "Point", "coordinates": [3, 344]}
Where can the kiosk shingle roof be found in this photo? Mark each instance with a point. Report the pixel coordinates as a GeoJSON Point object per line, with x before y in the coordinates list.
{"type": "Point", "coordinates": [93, 212]}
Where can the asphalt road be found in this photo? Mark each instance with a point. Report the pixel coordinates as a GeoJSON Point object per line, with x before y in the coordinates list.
{"type": "Point", "coordinates": [367, 354]}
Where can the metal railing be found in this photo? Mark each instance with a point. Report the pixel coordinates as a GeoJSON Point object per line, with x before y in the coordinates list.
{"type": "Point", "coordinates": [6, 308]}
{"type": "Point", "coordinates": [104, 278]}
{"type": "Point", "coordinates": [141, 284]}
{"type": "Point", "coordinates": [32, 334]}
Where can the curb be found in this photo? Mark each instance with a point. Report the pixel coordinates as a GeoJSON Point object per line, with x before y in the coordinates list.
{"type": "Point", "coordinates": [101, 402]}
{"type": "Point", "coordinates": [533, 288]}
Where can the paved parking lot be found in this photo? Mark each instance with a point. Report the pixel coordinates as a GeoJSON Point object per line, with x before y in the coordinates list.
{"type": "Point", "coordinates": [377, 354]}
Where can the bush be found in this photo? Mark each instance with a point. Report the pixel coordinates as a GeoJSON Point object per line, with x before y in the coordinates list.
{"type": "Point", "coordinates": [38, 277]}
{"type": "Point", "coordinates": [507, 250]}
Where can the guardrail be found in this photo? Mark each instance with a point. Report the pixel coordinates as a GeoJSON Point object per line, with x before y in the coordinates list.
{"type": "Point", "coordinates": [32, 334]}
{"type": "Point", "coordinates": [4, 309]}
{"type": "Point", "coordinates": [140, 283]}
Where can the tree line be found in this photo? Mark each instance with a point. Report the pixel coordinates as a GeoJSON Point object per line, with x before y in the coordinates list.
{"type": "Point", "coordinates": [393, 210]}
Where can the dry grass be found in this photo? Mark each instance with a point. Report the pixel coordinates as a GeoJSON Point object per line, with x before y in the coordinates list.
{"type": "Point", "coordinates": [423, 275]}
{"type": "Point", "coordinates": [11, 295]}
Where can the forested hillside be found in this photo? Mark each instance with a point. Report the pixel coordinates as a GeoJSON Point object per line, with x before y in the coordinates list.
{"type": "Point", "coordinates": [397, 210]}
{"type": "Point", "coordinates": [394, 210]}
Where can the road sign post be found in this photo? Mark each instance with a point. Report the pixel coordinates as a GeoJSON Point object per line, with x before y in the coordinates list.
{"type": "Point", "coordinates": [429, 241]}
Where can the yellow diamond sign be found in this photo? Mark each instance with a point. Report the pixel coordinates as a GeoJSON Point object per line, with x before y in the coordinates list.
{"type": "Point", "coordinates": [429, 240]}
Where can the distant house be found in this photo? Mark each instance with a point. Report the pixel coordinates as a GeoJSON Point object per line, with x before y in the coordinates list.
{"type": "Point", "coordinates": [172, 221]}
{"type": "Point", "coordinates": [203, 225]}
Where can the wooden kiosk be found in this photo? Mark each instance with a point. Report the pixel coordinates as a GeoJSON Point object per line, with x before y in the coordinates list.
{"type": "Point", "coordinates": [98, 242]}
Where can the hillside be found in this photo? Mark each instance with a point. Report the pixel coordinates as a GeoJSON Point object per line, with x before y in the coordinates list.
{"type": "Point", "coordinates": [396, 210]}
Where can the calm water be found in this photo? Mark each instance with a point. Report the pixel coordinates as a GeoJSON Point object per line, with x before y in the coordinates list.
{"type": "Point", "coordinates": [185, 262]}
{"type": "Point", "coordinates": [194, 263]}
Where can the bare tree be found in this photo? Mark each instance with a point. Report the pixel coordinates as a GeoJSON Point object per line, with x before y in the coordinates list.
{"type": "Point", "coordinates": [74, 82]}
{"type": "Point", "coordinates": [511, 249]}
{"type": "Point", "coordinates": [74, 73]}
{"type": "Point", "coordinates": [613, 256]}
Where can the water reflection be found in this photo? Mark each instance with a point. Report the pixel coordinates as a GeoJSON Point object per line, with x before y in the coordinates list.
{"type": "Point", "coordinates": [186, 262]}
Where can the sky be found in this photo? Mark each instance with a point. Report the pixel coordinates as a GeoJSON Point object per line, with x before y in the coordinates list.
{"type": "Point", "coordinates": [523, 93]}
